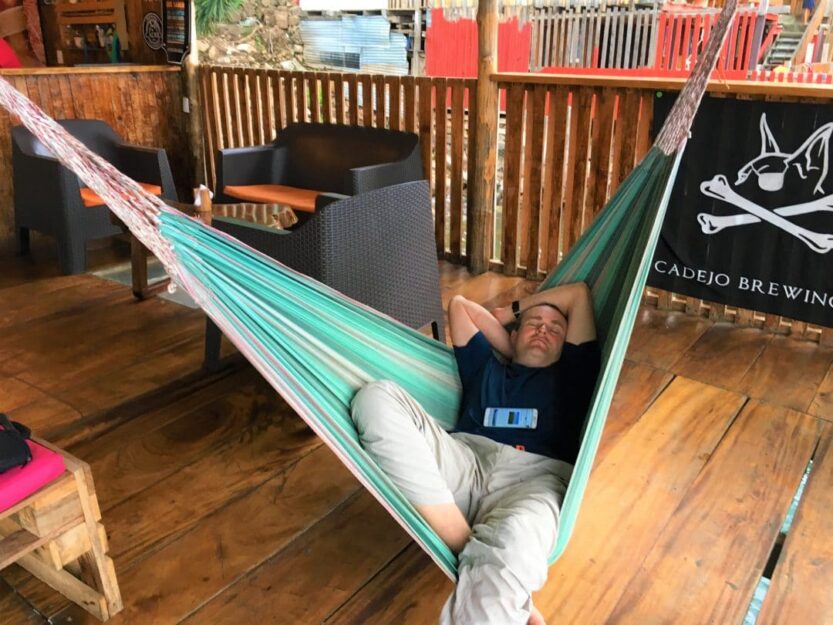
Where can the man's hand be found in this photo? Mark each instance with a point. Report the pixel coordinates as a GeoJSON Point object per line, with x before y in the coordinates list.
{"type": "Point", "coordinates": [504, 315]}
{"type": "Point", "coordinates": [535, 617]}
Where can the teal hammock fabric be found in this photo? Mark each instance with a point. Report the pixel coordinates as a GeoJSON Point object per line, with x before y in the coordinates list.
{"type": "Point", "coordinates": [317, 348]}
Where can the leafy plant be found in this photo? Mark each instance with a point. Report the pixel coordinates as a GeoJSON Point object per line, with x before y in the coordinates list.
{"type": "Point", "coordinates": [211, 12]}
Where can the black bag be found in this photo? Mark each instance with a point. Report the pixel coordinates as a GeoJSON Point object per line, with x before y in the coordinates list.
{"type": "Point", "coordinates": [14, 452]}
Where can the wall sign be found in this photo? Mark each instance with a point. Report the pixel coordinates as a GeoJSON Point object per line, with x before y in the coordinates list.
{"type": "Point", "coordinates": [152, 30]}
{"type": "Point", "coordinates": [750, 221]}
{"type": "Point", "coordinates": [176, 17]}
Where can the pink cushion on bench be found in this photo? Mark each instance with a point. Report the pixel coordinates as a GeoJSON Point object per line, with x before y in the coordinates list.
{"type": "Point", "coordinates": [17, 484]}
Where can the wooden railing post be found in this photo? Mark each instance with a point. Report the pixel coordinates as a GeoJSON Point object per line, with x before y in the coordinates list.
{"type": "Point", "coordinates": [485, 152]}
{"type": "Point", "coordinates": [809, 32]}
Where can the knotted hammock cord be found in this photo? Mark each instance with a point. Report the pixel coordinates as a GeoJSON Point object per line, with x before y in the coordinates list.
{"type": "Point", "coordinates": [317, 347]}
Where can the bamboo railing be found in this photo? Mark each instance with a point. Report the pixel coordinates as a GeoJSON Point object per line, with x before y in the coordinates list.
{"type": "Point", "coordinates": [565, 143]}
{"type": "Point", "coordinates": [249, 106]}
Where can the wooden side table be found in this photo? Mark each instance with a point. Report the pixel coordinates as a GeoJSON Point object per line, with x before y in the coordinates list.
{"type": "Point", "coordinates": [269, 215]}
{"type": "Point", "coordinates": [56, 534]}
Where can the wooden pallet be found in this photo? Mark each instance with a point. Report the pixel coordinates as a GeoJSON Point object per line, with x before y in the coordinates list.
{"type": "Point", "coordinates": [56, 534]}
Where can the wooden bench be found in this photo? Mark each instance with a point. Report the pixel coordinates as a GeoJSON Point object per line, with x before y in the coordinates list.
{"type": "Point", "coordinates": [56, 534]}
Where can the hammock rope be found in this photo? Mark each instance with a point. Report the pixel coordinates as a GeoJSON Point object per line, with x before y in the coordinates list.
{"type": "Point", "coordinates": [317, 348]}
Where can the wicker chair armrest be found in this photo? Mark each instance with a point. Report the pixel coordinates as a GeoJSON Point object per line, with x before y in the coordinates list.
{"type": "Point", "coordinates": [265, 164]}
{"type": "Point", "coordinates": [150, 165]}
{"type": "Point", "coordinates": [325, 199]}
{"type": "Point", "coordinates": [371, 177]}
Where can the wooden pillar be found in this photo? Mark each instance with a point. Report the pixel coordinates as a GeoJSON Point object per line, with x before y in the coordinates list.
{"type": "Point", "coordinates": [191, 94]}
{"type": "Point", "coordinates": [485, 151]}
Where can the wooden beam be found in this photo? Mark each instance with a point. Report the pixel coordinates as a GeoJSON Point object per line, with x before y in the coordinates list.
{"type": "Point", "coordinates": [485, 153]}
{"type": "Point", "coordinates": [732, 87]}
{"type": "Point", "coordinates": [191, 94]}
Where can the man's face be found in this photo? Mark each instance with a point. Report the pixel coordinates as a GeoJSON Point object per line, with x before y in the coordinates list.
{"type": "Point", "coordinates": [539, 338]}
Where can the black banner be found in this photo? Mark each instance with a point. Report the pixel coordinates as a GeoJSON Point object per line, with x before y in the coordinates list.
{"type": "Point", "coordinates": [750, 221]}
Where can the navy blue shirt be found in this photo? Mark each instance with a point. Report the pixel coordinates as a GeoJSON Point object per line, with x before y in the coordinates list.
{"type": "Point", "coordinates": [561, 393]}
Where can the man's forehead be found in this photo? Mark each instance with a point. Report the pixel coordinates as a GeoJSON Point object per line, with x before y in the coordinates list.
{"type": "Point", "coordinates": [545, 312]}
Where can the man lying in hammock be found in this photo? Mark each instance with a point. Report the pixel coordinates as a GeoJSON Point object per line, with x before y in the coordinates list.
{"type": "Point", "coordinates": [492, 489]}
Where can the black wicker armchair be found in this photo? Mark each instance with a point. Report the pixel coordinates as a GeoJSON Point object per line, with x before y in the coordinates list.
{"type": "Point", "coordinates": [377, 248]}
{"type": "Point", "coordinates": [314, 160]}
{"type": "Point", "coordinates": [51, 199]}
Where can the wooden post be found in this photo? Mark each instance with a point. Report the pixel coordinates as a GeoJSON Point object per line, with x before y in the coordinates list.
{"type": "Point", "coordinates": [191, 94]}
{"type": "Point", "coordinates": [416, 46]}
{"type": "Point", "coordinates": [485, 152]}
{"type": "Point", "coordinates": [757, 37]}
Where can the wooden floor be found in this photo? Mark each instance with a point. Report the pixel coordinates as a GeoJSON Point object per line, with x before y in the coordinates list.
{"type": "Point", "coordinates": [222, 507]}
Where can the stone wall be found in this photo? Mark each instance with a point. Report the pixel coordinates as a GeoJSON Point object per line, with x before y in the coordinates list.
{"type": "Point", "coordinates": [261, 33]}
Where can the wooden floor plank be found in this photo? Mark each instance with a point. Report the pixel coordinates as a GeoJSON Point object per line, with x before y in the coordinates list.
{"type": "Point", "coordinates": [803, 577]}
{"type": "Point", "coordinates": [822, 404]}
{"type": "Point", "coordinates": [274, 439]}
{"type": "Point", "coordinates": [173, 582]}
{"type": "Point", "coordinates": [660, 337]}
{"type": "Point", "coordinates": [639, 385]}
{"type": "Point", "coordinates": [15, 611]}
{"type": "Point", "coordinates": [485, 287]}
{"type": "Point", "coordinates": [709, 558]}
{"type": "Point", "coordinates": [175, 437]}
{"type": "Point", "coordinates": [722, 355]}
{"type": "Point", "coordinates": [49, 299]}
{"type": "Point", "coordinates": [315, 574]}
{"type": "Point", "coordinates": [177, 503]}
{"type": "Point", "coordinates": [140, 374]}
{"type": "Point", "coordinates": [788, 373]}
{"type": "Point", "coordinates": [410, 591]}
{"type": "Point", "coordinates": [42, 263]}
{"type": "Point", "coordinates": [632, 494]}
{"type": "Point", "coordinates": [62, 354]}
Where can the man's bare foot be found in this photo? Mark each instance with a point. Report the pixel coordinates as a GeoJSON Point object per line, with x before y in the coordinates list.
{"type": "Point", "coordinates": [535, 617]}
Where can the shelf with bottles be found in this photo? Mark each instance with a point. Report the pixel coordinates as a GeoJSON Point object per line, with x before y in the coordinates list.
{"type": "Point", "coordinates": [92, 28]}
{"type": "Point", "coordinates": [91, 43]}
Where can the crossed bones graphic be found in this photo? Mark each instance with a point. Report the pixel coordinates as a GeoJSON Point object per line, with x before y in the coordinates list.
{"type": "Point", "coordinates": [719, 188]}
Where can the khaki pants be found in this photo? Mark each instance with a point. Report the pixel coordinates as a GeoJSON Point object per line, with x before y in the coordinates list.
{"type": "Point", "coordinates": [510, 498]}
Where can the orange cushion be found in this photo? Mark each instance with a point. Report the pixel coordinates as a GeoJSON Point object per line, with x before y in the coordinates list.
{"type": "Point", "coordinates": [299, 199]}
{"type": "Point", "coordinates": [91, 198]}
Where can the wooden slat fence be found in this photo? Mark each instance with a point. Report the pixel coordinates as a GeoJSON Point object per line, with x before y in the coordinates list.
{"type": "Point", "coordinates": [616, 37]}
{"type": "Point", "coordinates": [248, 106]}
{"type": "Point", "coordinates": [622, 38]}
{"type": "Point", "coordinates": [566, 150]}
{"type": "Point", "coordinates": [565, 144]}
{"type": "Point", "coordinates": [682, 37]}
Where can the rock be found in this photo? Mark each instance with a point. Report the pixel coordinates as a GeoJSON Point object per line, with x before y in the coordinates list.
{"type": "Point", "coordinates": [213, 53]}
{"type": "Point", "coordinates": [246, 48]}
{"type": "Point", "coordinates": [282, 20]}
{"type": "Point", "coordinates": [294, 20]}
{"type": "Point", "coordinates": [203, 46]}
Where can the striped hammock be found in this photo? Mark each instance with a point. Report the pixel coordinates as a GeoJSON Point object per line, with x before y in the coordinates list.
{"type": "Point", "coordinates": [317, 348]}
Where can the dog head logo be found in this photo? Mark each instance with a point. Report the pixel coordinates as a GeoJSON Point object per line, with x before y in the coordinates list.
{"type": "Point", "coordinates": [803, 172]}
